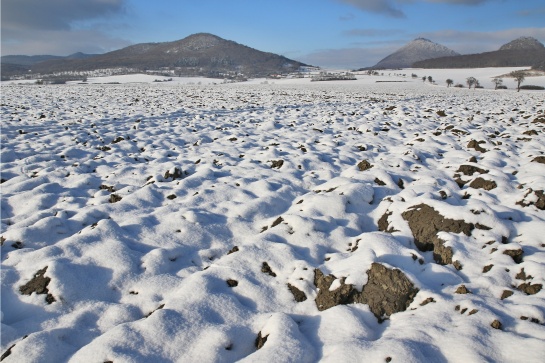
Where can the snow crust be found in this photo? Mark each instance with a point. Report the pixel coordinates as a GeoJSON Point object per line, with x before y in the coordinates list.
{"type": "Point", "coordinates": [148, 276]}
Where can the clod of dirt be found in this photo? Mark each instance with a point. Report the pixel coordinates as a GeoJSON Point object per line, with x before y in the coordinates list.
{"type": "Point", "coordinates": [233, 250]}
{"type": "Point", "coordinates": [529, 289]}
{"type": "Point", "coordinates": [425, 222]}
{"type": "Point", "coordinates": [539, 204]}
{"type": "Point", "coordinates": [427, 301]}
{"type": "Point", "coordinates": [516, 255]}
{"type": "Point", "coordinates": [175, 173]}
{"type": "Point", "coordinates": [277, 164]}
{"type": "Point", "coordinates": [265, 268]}
{"type": "Point", "coordinates": [441, 113]}
{"type": "Point", "coordinates": [522, 275]}
{"type": "Point", "coordinates": [387, 291]}
{"type": "Point", "coordinates": [506, 293]}
{"type": "Point", "coordinates": [462, 289]}
{"type": "Point", "coordinates": [383, 223]}
{"type": "Point", "coordinates": [487, 268]}
{"type": "Point", "coordinates": [297, 294]}
{"type": "Point", "coordinates": [481, 183]}
{"type": "Point", "coordinates": [364, 165]}
{"type": "Point", "coordinates": [260, 340]}
{"type": "Point", "coordinates": [172, 196]}
{"type": "Point", "coordinates": [158, 308]}
{"type": "Point", "coordinates": [496, 324]}
{"type": "Point", "coordinates": [470, 170]}
{"type": "Point", "coordinates": [474, 144]}
{"type": "Point", "coordinates": [326, 299]}
{"type": "Point", "coordinates": [111, 189]}
{"type": "Point", "coordinates": [232, 283]}
{"type": "Point", "coordinates": [38, 284]}
{"type": "Point", "coordinates": [7, 353]}
{"type": "Point", "coordinates": [379, 182]}
{"type": "Point", "coordinates": [114, 198]}
{"type": "Point", "coordinates": [277, 221]}
{"type": "Point", "coordinates": [117, 139]}
{"type": "Point", "coordinates": [539, 159]}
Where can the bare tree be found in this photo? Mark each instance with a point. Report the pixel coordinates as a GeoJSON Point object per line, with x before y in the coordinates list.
{"type": "Point", "coordinates": [519, 77]}
{"type": "Point", "coordinates": [497, 81]}
{"type": "Point", "coordinates": [471, 81]}
{"type": "Point", "coordinates": [449, 82]}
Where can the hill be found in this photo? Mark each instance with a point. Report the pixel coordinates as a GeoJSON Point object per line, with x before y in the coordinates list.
{"type": "Point", "coordinates": [417, 50]}
{"type": "Point", "coordinates": [198, 54]}
{"type": "Point", "coordinates": [521, 52]}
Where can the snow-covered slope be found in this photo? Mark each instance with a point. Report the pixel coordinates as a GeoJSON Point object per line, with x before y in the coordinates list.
{"type": "Point", "coordinates": [329, 222]}
{"type": "Point", "coordinates": [416, 50]}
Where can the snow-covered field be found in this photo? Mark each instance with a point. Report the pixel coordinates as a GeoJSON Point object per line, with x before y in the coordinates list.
{"type": "Point", "coordinates": [287, 222]}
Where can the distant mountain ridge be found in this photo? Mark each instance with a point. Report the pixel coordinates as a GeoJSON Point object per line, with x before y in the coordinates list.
{"type": "Point", "coordinates": [198, 54]}
{"type": "Point", "coordinates": [521, 52]}
{"type": "Point", "coordinates": [416, 50]}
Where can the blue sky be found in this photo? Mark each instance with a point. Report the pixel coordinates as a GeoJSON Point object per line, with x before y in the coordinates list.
{"type": "Point", "coordinates": [327, 33]}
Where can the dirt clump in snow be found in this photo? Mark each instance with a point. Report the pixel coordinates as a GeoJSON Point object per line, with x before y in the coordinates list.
{"type": "Point", "coordinates": [474, 144]}
{"type": "Point", "coordinates": [174, 173]}
{"type": "Point", "coordinates": [462, 289]}
{"type": "Point", "coordinates": [506, 293]}
{"type": "Point", "coordinates": [383, 223]}
{"type": "Point", "coordinates": [481, 183]}
{"type": "Point", "coordinates": [260, 340]}
{"type": "Point", "coordinates": [364, 165]}
{"type": "Point", "coordinates": [38, 284]}
{"type": "Point", "coordinates": [539, 203]}
{"type": "Point", "coordinates": [114, 198]}
{"type": "Point", "coordinates": [277, 164]}
{"type": "Point", "coordinates": [387, 291]}
{"type": "Point", "coordinates": [496, 324]}
{"type": "Point", "coordinates": [325, 299]}
{"type": "Point", "coordinates": [539, 159]}
{"type": "Point", "coordinates": [265, 268]}
{"type": "Point", "coordinates": [516, 255]}
{"type": "Point", "coordinates": [425, 222]}
{"type": "Point", "coordinates": [470, 170]}
{"type": "Point", "coordinates": [298, 295]}
{"type": "Point", "coordinates": [530, 289]}
{"type": "Point", "coordinates": [232, 283]}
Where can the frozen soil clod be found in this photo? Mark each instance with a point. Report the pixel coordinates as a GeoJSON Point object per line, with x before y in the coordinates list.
{"type": "Point", "coordinates": [298, 295]}
{"type": "Point", "coordinates": [425, 222]}
{"type": "Point", "coordinates": [480, 183]}
{"type": "Point", "coordinates": [38, 284]}
{"type": "Point", "coordinates": [470, 170]}
{"type": "Point", "coordinates": [387, 291]}
{"type": "Point", "coordinates": [260, 340]}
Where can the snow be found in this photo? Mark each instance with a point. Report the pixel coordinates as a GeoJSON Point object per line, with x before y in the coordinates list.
{"type": "Point", "coordinates": [143, 265]}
